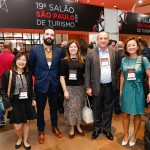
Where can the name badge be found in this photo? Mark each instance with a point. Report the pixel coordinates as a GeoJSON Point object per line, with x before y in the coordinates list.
{"type": "Point", "coordinates": [72, 74]}
{"type": "Point", "coordinates": [49, 62]}
{"type": "Point", "coordinates": [104, 62]}
{"type": "Point", "coordinates": [23, 93]}
{"type": "Point", "coordinates": [131, 74]}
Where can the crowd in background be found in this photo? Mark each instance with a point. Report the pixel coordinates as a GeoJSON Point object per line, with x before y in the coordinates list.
{"type": "Point", "coordinates": [110, 72]}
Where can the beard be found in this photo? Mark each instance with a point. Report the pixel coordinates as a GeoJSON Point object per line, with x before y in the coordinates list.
{"type": "Point", "coordinates": [48, 41]}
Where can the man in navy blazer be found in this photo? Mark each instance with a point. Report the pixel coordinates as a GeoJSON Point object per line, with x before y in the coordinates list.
{"type": "Point", "coordinates": [44, 63]}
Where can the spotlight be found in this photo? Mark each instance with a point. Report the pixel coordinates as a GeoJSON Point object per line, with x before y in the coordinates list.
{"type": "Point", "coordinates": [140, 1]}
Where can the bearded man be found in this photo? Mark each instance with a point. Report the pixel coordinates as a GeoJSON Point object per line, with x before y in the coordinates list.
{"type": "Point", "coordinates": [44, 64]}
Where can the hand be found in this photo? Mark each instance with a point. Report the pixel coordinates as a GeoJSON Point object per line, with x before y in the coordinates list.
{"type": "Point", "coordinates": [148, 98]}
{"type": "Point", "coordinates": [66, 95]}
{"type": "Point", "coordinates": [120, 93]}
{"type": "Point", "coordinates": [33, 103]}
{"type": "Point", "coordinates": [10, 109]}
{"type": "Point", "coordinates": [89, 91]}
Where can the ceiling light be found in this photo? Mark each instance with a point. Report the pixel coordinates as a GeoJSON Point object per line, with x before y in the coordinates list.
{"type": "Point", "coordinates": [102, 3]}
{"type": "Point", "coordinates": [88, 1]}
{"type": "Point", "coordinates": [115, 6]}
{"type": "Point", "coordinates": [140, 1]}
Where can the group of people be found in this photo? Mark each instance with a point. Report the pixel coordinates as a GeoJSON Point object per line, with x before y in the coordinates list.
{"type": "Point", "coordinates": [93, 74]}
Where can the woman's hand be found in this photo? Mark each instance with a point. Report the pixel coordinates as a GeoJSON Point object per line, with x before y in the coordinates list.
{"type": "Point", "coordinates": [66, 95]}
{"type": "Point", "coordinates": [148, 98]}
{"type": "Point", "coordinates": [33, 103]}
{"type": "Point", "coordinates": [10, 109]}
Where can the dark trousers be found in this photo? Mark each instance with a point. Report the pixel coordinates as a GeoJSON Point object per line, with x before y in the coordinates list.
{"type": "Point", "coordinates": [41, 99]}
{"type": "Point", "coordinates": [61, 99]}
{"type": "Point", "coordinates": [103, 108]}
{"type": "Point", "coordinates": [117, 101]}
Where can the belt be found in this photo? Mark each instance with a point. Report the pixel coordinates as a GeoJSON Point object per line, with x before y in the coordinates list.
{"type": "Point", "coordinates": [106, 84]}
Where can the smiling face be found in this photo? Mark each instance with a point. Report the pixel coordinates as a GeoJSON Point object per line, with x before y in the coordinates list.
{"type": "Point", "coordinates": [102, 40]}
{"type": "Point", "coordinates": [132, 47]}
{"type": "Point", "coordinates": [21, 62]}
{"type": "Point", "coordinates": [73, 49]}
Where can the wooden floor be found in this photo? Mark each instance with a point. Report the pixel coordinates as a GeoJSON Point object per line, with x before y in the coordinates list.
{"type": "Point", "coordinates": [8, 137]}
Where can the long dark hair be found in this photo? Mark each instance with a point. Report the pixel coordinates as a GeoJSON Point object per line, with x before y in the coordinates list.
{"type": "Point", "coordinates": [14, 67]}
{"type": "Point", "coordinates": [125, 52]}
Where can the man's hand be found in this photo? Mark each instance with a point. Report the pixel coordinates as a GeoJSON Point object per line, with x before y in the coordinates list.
{"type": "Point", "coordinates": [89, 91]}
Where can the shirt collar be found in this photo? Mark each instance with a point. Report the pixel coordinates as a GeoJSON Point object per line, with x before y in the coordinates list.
{"type": "Point", "coordinates": [47, 47]}
{"type": "Point", "coordinates": [100, 50]}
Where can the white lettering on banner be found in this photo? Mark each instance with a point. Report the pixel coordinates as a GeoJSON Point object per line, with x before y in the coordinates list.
{"type": "Point", "coordinates": [143, 20]}
{"type": "Point", "coordinates": [61, 23]}
{"type": "Point", "coordinates": [61, 9]}
{"type": "Point", "coordinates": [41, 22]}
{"type": "Point", "coordinates": [57, 15]}
{"type": "Point", "coordinates": [40, 5]}
{"type": "Point", "coordinates": [138, 29]}
{"type": "Point", "coordinates": [146, 30]}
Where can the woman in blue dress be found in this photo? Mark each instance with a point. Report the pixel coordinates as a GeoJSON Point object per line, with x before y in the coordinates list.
{"type": "Point", "coordinates": [133, 66]}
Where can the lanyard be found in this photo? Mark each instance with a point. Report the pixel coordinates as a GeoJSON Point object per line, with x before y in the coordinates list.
{"type": "Point", "coordinates": [21, 79]}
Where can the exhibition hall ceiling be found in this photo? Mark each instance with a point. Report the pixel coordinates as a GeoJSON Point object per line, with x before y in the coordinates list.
{"type": "Point", "coordinates": [128, 5]}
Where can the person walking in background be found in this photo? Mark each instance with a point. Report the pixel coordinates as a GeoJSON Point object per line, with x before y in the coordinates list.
{"type": "Point", "coordinates": [6, 58]}
{"type": "Point", "coordinates": [119, 52]}
{"type": "Point", "coordinates": [72, 81]}
{"type": "Point", "coordinates": [100, 82]}
{"type": "Point", "coordinates": [145, 51]}
{"type": "Point", "coordinates": [1, 46]}
{"type": "Point", "coordinates": [44, 62]}
{"type": "Point", "coordinates": [83, 47]}
{"type": "Point", "coordinates": [21, 98]}
{"type": "Point", "coordinates": [112, 44]}
{"type": "Point", "coordinates": [131, 88]}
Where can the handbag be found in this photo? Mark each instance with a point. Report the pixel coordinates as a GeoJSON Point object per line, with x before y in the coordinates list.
{"type": "Point", "coordinates": [87, 113]}
{"type": "Point", "coordinates": [6, 101]}
{"type": "Point", "coordinates": [144, 79]}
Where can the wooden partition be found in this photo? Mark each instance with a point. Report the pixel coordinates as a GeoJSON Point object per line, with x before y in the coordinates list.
{"type": "Point", "coordinates": [78, 36]}
{"type": "Point", "coordinates": [123, 37]}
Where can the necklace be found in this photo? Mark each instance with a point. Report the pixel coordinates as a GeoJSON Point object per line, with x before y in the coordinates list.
{"type": "Point", "coordinates": [74, 59]}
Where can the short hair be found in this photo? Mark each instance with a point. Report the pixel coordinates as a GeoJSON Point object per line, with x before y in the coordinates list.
{"type": "Point", "coordinates": [7, 45]}
{"type": "Point", "coordinates": [143, 43]}
{"type": "Point", "coordinates": [110, 42]}
{"type": "Point", "coordinates": [83, 46]}
{"type": "Point", "coordinates": [17, 56]}
{"type": "Point", "coordinates": [49, 27]}
{"type": "Point", "coordinates": [125, 53]}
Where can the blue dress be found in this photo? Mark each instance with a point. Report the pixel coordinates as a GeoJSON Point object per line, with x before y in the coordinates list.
{"type": "Point", "coordinates": [133, 98]}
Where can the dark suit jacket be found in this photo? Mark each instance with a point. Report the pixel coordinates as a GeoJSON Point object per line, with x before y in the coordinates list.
{"type": "Point", "coordinates": [93, 71]}
{"type": "Point", "coordinates": [39, 67]}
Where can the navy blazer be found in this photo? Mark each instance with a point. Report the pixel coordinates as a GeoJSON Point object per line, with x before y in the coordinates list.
{"type": "Point", "coordinates": [44, 76]}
